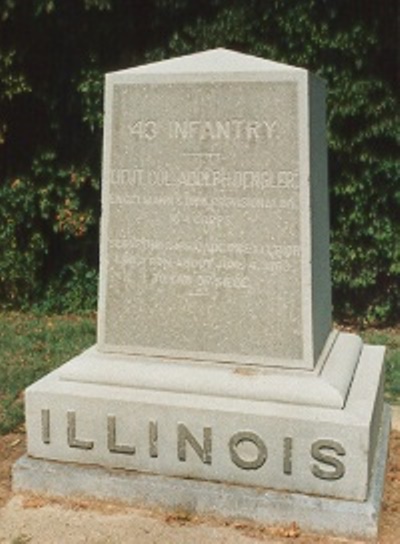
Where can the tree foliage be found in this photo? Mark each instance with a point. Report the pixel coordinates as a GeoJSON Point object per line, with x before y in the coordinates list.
{"type": "Point", "coordinates": [52, 59]}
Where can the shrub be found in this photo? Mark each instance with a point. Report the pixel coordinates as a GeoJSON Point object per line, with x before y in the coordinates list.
{"type": "Point", "coordinates": [48, 238]}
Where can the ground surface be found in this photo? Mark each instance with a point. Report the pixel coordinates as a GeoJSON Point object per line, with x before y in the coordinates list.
{"type": "Point", "coordinates": [31, 519]}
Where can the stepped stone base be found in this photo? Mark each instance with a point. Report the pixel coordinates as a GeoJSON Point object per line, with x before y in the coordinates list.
{"type": "Point", "coordinates": [317, 453]}
{"type": "Point", "coordinates": [100, 409]}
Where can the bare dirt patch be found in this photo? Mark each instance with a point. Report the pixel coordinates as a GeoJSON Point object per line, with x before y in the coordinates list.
{"type": "Point", "coordinates": [12, 446]}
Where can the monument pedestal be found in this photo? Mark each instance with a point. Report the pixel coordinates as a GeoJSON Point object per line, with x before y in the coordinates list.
{"type": "Point", "coordinates": [103, 409]}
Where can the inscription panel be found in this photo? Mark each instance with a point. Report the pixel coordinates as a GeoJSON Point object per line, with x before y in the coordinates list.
{"type": "Point", "coordinates": [252, 458]}
{"type": "Point", "coordinates": [203, 220]}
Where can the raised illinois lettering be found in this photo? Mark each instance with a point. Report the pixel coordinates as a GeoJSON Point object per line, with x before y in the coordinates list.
{"type": "Point", "coordinates": [246, 449]}
{"type": "Point", "coordinates": [203, 451]}
{"type": "Point", "coordinates": [318, 452]}
{"type": "Point", "coordinates": [240, 459]}
{"type": "Point", "coordinates": [73, 441]}
{"type": "Point", "coordinates": [112, 445]}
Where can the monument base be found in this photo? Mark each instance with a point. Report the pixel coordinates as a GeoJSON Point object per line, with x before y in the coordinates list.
{"type": "Point", "coordinates": [316, 514]}
{"type": "Point", "coordinates": [214, 452]}
{"type": "Point", "coordinates": [99, 409]}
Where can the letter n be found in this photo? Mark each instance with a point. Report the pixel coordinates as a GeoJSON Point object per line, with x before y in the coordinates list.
{"type": "Point", "coordinates": [203, 451]}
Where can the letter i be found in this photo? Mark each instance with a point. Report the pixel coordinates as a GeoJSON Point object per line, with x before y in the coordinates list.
{"type": "Point", "coordinates": [287, 455]}
{"type": "Point", "coordinates": [153, 439]}
{"type": "Point", "coordinates": [45, 426]}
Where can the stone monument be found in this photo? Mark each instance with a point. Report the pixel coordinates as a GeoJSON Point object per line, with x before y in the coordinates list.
{"type": "Point", "coordinates": [216, 361]}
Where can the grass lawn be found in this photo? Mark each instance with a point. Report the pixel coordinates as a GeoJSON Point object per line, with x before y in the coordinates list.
{"type": "Point", "coordinates": [391, 339]}
{"type": "Point", "coordinates": [31, 346]}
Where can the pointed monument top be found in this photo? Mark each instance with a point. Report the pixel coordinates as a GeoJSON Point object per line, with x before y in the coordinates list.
{"type": "Point", "coordinates": [214, 60]}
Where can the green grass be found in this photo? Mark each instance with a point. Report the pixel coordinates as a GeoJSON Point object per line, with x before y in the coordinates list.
{"type": "Point", "coordinates": [31, 346]}
{"type": "Point", "coordinates": [391, 339]}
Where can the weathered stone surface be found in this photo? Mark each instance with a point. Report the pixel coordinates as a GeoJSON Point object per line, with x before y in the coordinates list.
{"type": "Point", "coordinates": [215, 241]}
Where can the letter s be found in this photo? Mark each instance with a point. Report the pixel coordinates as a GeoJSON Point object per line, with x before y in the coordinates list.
{"type": "Point", "coordinates": [319, 455]}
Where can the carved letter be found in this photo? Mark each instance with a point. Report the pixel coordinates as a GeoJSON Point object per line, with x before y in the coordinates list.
{"type": "Point", "coordinates": [74, 442]}
{"type": "Point", "coordinates": [46, 426]}
{"type": "Point", "coordinates": [153, 439]}
{"type": "Point", "coordinates": [271, 127]}
{"type": "Point", "coordinates": [318, 455]}
{"type": "Point", "coordinates": [184, 435]}
{"type": "Point", "coordinates": [252, 130]}
{"type": "Point", "coordinates": [113, 447]}
{"type": "Point", "coordinates": [247, 436]}
{"type": "Point", "coordinates": [287, 455]}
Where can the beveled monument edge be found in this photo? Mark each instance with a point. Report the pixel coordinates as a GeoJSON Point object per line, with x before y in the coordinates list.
{"type": "Point", "coordinates": [326, 386]}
